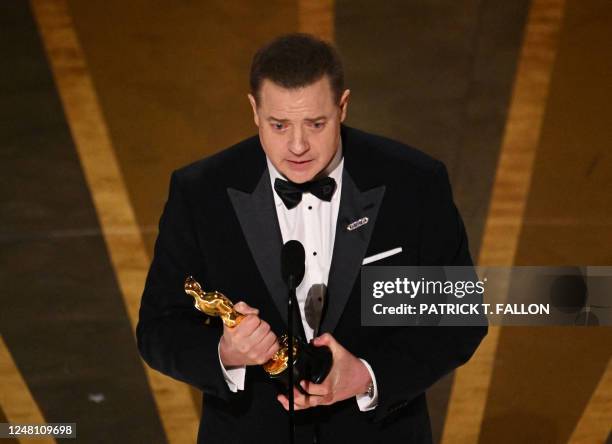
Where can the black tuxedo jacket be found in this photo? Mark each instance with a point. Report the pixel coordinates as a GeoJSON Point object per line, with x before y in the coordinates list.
{"type": "Point", "coordinates": [220, 225]}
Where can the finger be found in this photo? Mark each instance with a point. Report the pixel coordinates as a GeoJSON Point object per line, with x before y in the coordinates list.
{"type": "Point", "coordinates": [283, 400]}
{"type": "Point", "coordinates": [259, 334]}
{"type": "Point", "coordinates": [271, 350]}
{"type": "Point", "coordinates": [319, 394]}
{"type": "Point", "coordinates": [269, 345]}
{"type": "Point", "coordinates": [244, 308]}
{"type": "Point", "coordinates": [247, 326]}
{"type": "Point", "coordinates": [315, 389]}
{"type": "Point", "coordinates": [328, 340]}
{"type": "Point", "coordinates": [285, 403]}
{"type": "Point", "coordinates": [265, 349]}
{"type": "Point", "coordinates": [324, 339]}
{"type": "Point", "coordinates": [275, 347]}
{"type": "Point", "coordinates": [300, 400]}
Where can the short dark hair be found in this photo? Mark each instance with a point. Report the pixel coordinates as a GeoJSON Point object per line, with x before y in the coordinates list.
{"type": "Point", "coordinates": [297, 60]}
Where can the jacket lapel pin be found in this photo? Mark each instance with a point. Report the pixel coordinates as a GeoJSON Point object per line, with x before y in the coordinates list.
{"type": "Point", "coordinates": [358, 223]}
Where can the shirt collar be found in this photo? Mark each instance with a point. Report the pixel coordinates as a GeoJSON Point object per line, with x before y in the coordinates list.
{"type": "Point", "coordinates": [333, 170]}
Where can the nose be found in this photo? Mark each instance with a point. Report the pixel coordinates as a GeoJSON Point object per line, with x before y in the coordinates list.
{"type": "Point", "coordinates": [298, 144]}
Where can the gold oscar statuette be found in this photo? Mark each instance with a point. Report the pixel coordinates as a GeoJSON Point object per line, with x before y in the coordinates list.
{"type": "Point", "coordinates": [217, 304]}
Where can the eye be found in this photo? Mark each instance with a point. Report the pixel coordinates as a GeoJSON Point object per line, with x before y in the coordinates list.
{"type": "Point", "coordinates": [318, 125]}
{"type": "Point", "coordinates": [278, 126]}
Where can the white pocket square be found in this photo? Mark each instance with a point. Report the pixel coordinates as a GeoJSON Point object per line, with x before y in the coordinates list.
{"type": "Point", "coordinates": [379, 256]}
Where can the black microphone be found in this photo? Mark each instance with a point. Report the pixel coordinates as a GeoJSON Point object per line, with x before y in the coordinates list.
{"type": "Point", "coordinates": [293, 259]}
{"type": "Point", "coordinates": [311, 363]}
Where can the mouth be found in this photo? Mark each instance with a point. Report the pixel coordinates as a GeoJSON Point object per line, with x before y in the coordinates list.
{"type": "Point", "coordinates": [299, 162]}
{"type": "Point", "coordinates": [299, 165]}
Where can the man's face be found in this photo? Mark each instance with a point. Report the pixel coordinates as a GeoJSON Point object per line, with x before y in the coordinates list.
{"type": "Point", "coordinates": [299, 128]}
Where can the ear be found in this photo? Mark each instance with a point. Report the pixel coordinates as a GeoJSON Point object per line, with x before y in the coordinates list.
{"type": "Point", "coordinates": [344, 104]}
{"type": "Point", "coordinates": [254, 106]}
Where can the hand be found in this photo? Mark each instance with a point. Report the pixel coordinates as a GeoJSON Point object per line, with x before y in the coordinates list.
{"type": "Point", "coordinates": [348, 377]}
{"type": "Point", "coordinates": [251, 342]}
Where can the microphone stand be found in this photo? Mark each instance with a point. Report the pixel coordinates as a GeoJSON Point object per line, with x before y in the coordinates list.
{"type": "Point", "coordinates": [290, 350]}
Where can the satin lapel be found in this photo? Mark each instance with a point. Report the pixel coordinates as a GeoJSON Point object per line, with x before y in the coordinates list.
{"type": "Point", "coordinates": [259, 223]}
{"type": "Point", "coordinates": [349, 246]}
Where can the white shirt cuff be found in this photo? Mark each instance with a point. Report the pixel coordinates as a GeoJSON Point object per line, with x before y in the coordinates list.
{"type": "Point", "coordinates": [364, 402]}
{"type": "Point", "coordinates": [234, 376]}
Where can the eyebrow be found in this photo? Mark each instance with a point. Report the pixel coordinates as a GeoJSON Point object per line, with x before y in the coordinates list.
{"type": "Point", "coordinates": [314, 119]}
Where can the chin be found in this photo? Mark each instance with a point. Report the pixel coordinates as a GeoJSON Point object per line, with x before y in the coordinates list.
{"type": "Point", "coordinates": [300, 176]}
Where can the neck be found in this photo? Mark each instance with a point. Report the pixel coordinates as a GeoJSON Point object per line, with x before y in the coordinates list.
{"type": "Point", "coordinates": [333, 163]}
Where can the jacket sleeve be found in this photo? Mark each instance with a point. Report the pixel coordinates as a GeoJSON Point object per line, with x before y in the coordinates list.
{"type": "Point", "coordinates": [172, 335]}
{"type": "Point", "coordinates": [414, 358]}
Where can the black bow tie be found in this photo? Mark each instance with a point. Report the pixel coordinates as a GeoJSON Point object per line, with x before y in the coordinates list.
{"type": "Point", "coordinates": [291, 193]}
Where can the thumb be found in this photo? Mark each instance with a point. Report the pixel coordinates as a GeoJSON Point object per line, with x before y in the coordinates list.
{"type": "Point", "coordinates": [325, 339]}
{"type": "Point", "coordinates": [245, 309]}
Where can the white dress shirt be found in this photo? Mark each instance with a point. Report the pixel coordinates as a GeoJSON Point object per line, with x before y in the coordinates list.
{"type": "Point", "coordinates": [313, 223]}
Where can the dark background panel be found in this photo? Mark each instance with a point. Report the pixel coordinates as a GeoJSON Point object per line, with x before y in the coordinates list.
{"type": "Point", "coordinates": [438, 76]}
{"type": "Point", "coordinates": [172, 79]}
{"type": "Point", "coordinates": [62, 315]}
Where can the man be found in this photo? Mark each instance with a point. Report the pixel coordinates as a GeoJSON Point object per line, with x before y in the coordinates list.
{"type": "Point", "coordinates": [346, 195]}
